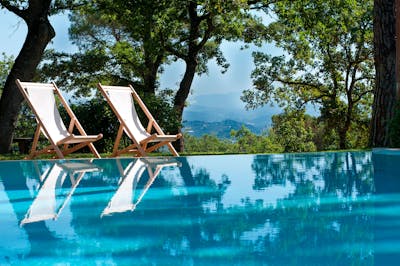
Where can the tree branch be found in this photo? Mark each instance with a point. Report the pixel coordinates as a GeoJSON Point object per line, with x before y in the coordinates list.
{"type": "Point", "coordinates": [20, 13]}
{"type": "Point", "coordinates": [170, 49]}
{"type": "Point", "coordinates": [297, 83]}
{"type": "Point", "coordinates": [175, 52]}
{"type": "Point", "coordinates": [316, 98]}
{"type": "Point", "coordinates": [261, 4]}
{"type": "Point", "coordinates": [364, 78]}
{"type": "Point", "coordinates": [67, 5]}
{"type": "Point", "coordinates": [207, 34]}
{"type": "Point", "coordinates": [361, 95]}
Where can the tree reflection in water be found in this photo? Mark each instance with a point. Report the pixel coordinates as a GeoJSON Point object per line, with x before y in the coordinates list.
{"type": "Point", "coordinates": [325, 218]}
{"type": "Point", "coordinates": [327, 215]}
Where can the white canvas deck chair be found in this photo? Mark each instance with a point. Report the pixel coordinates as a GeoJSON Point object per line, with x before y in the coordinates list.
{"type": "Point", "coordinates": [121, 100]}
{"type": "Point", "coordinates": [123, 198]}
{"type": "Point", "coordinates": [40, 97]}
{"type": "Point", "coordinates": [52, 198]}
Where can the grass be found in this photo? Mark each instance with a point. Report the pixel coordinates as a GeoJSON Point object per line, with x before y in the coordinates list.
{"type": "Point", "coordinates": [18, 156]}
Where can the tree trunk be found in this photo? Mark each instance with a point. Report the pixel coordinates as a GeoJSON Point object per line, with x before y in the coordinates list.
{"type": "Point", "coordinates": [152, 63]}
{"type": "Point", "coordinates": [346, 126]}
{"type": "Point", "coordinates": [40, 32]}
{"type": "Point", "coordinates": [150, 79]}
{"type": "Point", "coordinates": [343, 134]}
{"type": "Point", "coordinates": [385, 61]}
{"type": "Point", "coordinates": [181, 97]}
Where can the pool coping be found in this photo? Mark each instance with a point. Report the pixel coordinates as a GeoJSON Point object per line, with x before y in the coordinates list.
{"type": "Point", "coordinates": [386, 151]}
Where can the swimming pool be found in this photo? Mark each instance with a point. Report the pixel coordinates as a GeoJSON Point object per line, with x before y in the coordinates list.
{"type": "Point", "coordinates": [286, 209]}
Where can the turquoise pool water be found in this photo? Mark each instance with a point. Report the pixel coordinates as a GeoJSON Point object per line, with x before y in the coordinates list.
{"type": "Point", "coordinates": [290, 209]}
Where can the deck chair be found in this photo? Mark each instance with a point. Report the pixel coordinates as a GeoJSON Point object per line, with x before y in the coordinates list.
{"type": "Point", "coordinates": [52, 196]}
{"type": "Point", "coordinates": [121, 100]}
{"type": "Point", "coordinates": [123, 198]}
{"type": "Point", "coordinates": [40, 97]}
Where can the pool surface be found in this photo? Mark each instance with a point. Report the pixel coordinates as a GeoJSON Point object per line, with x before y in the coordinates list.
{"type": "Point", "coordinates": [286, 209]}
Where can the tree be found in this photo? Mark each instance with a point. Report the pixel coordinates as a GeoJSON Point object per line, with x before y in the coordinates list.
{"type": "Point", "coordinates": [248, 142]}
{"type": "Point", "coordinates": [40, 32]}
{"type": "Point", "coordinates": [203, 25]}
{"type": "Point", "coordinates": [6, 63]}
{"type": "Point", "coordinates": [129, 48]}
{"type": "Point", "coordinates": [328, 60]}
{"type": "Point", "coordinates": [293, 130]}
{"type": "Point", "coordinates": [151, 34]}
{"type": "Point", "coordinates": [385, 97]}
{"type": "Point", "coordinates": [208, 144]}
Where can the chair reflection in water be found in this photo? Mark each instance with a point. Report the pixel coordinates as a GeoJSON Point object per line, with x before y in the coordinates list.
{"type": "Point", "coordinates": [51, 199]}
{"type": "Point", "coordinates": [123, 198]}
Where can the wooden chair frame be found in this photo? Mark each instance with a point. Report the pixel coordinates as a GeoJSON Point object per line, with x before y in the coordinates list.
{"type": "Point", "coordinates": [69, 144]}
{"type": "Point", "coordinates": [139, 148]}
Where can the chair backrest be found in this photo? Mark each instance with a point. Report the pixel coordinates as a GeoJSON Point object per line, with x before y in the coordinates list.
{"type": "Point", "coordinates": [40, 97]}
{"type": "Point", "coordinates": [121, 101]}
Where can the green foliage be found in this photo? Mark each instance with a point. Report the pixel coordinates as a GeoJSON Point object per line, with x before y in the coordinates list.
{"type": "Point", "coordinates": [161, 107]}
{"type": "Point", "coordinates": [327, 61]}
{"type": "Point", "coordinates": [358, 134]}
{"type": "Point", "coordinates": [25, 124]}
{"type": "Point", "coordinates": [241, 141]}
{"type": "Point", "coordinates": [248, 142]}
{"type": "Point", "coordinates": [6, 62]}
{"type": "Point", "coordinates": [124, 42]}
{"type": "Point", "coordinates": [199, 27]}
{"type": "Point", "coordinates": [97, 117]}
{"type": "Point", "coordinates": [111, 49]}
{"type": "Point", "coordinates": [78, 73]}
{"type": "Point", "coordinates": [293, 130]}
{"type": "Point", "coordinates": [207, 144]}
{"type": "Point", "coordinates": [129, 42]}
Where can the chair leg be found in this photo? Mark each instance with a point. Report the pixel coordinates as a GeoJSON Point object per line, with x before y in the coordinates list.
{"type": "Point", "coordinates": [172, 149]}
{"type": "Point", "coordinates": [34, 143]}
{"type": "Point", "coordinates": [94, 150]}
{"type": "Point", "coordinates": [57, 150]}
{"type": "Point", "coordinates": [117, 140]}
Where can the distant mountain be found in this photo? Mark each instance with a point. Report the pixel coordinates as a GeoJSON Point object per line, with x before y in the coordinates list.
{"type": "Point", "coordinates": [220, 129]}
{"type": "Point", "coordinates": [221, 107]}
{"type": "Point", "coordinates": [220, 113]}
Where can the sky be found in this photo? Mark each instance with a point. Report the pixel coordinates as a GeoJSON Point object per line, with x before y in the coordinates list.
{"type": "Point", "coordinates": [214, 96]}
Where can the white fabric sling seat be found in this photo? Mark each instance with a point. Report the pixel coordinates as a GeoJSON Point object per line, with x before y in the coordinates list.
{"type": "Point", "coordinates": [41, 99]}
{"type": "Point", "coordinates": [121, 100]}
